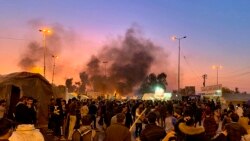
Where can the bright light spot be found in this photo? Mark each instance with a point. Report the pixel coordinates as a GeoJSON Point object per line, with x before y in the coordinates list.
{"type": "Point", "coordinates": [45, 31]}
{"type": "Point", "coordinates": [217, 67]}
{"type": "Point", "coordinates": [218, 91]}
{"type": "Point", "coordinates": [159, 90]}
{"type": "Point", "coordinates": [36, 70]}
{"type": "Point", "coordinates": [173, 38]}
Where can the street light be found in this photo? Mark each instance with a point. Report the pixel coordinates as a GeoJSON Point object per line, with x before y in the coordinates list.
{"type": "Point", "coordinates": [217, 67]}
{"type": "Point", "coordinates": [44, 32]}
{"type": "Point", "coordinates": [179, 60]}
{"type": "Point", "coordinates": [53, 74]}
{"type": "Point", "coordinates": [105, 65]}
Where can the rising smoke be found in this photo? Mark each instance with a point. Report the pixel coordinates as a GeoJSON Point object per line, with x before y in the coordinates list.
{"type": "Point", "coordinates": [127, 62]}
{"type": "Point", "coordinates": [60, 38]}
{"type": "Point", "coordinates": [32, 56]}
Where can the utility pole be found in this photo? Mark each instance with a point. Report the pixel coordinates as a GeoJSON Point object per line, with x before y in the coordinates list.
{"type": "Point", "coordinates": [44, 32]}
{"type": "Point", "coordinates": [179, 60]}
{"type": "Point", "coordinates": [54, 65]}
{"type": "Point", "coordinates": [105, 67]}
{"type": "Point", "coordinates": [204, 79]}
{"type": "Point", "coordinates": [217, 67]}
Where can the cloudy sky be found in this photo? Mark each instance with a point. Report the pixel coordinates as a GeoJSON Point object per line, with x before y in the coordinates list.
{"type": "Point", "coordinates": [217, 34]}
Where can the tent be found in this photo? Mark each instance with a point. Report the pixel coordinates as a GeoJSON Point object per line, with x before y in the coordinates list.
{"type": "Point", "coordinates": [15, 85]}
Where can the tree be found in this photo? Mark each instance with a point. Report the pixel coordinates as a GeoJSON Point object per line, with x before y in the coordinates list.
{"type": "Point", "coordinates": [84, 81]}
{"type": "Point", "coordinates": [227, 90]}
{"type": "Point", "coordinates": [152, 81]}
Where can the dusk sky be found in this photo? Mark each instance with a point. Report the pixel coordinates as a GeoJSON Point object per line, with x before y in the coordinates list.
{"type": "Point", "coordinates": [217, 34]}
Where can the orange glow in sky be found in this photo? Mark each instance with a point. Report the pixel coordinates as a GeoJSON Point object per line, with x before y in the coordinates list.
{"type": "Point", "coordinates": [83, 28]}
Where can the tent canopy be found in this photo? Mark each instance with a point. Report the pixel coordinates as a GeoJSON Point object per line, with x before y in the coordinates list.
{"type": "Point", "coordinates": [15, 85]}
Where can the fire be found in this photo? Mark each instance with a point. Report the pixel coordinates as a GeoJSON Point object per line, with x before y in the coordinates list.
{"type": "Point", "coordinates": [36, 70]}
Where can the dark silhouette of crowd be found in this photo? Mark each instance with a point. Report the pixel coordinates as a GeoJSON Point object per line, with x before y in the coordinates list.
{"type": "Point", "coordinates": [125, 120]}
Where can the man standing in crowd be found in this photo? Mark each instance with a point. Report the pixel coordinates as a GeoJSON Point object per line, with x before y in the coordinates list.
{"type": "Point", "coordinates": [117, 131]}
{"type": "Point", "coordinates": [210, 125]}
{"type": "Point", "coordinates": [6, 127]}
{"type": "Point", "coordinates": [2, 108]}
{"type": "Point", "coordinates": [152, 132]}
{"type": "Point", "coordinates": [138, 125]}
{"type": "Point", "coordinates": [239, 110]}
{"type": "Point", "coordinates": [72, 117]}
{"type": "Point", "coordinates": [50, 115]}
{"type": "Point", "coordinates": [26, 130]}
{"type": "Point", "coordinates": [20, 108]}
{"type": "Point", "coordinates": [31, 110]}
{"type": "Point", "coordinates": [92, 112]}
{"type": "Point", "coordinates": [234, 129]}
{"type": "Point", "coordinates": [85, 131]}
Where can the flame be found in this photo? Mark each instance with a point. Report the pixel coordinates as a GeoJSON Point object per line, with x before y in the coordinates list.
{"type": "Point", "coordinates": [36, 70]}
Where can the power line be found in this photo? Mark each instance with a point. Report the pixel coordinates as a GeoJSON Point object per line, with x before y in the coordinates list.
{"type": "Point", "coordinates": [191, 68]}
{"type": "Point", "coordinates": [11, 38]}
{"type": "Point", "coordinates": [237, 75]}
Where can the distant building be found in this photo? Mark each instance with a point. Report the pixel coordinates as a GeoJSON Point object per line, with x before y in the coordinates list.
{"type": "Point", "coordinates": [188, 91]}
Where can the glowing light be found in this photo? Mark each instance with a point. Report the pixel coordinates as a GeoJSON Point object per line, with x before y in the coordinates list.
{"type": "Point", "coordinates": [45, 30]}
{"type": "Point", "coordinates": [217, 67]}
{"type": "Point", "coordinates": [159, 90]}
{"type": "Point", "coordinates": [173, 38]}
{"type": "Point", "coordinates": [36, 70]}
{"type": "Point", "coordinates": [218, 91]}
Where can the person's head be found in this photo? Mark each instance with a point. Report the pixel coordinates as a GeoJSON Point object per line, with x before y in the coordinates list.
{"type": "Point", "coordinates": [58, 101]}
{"type": "Point", "coordinates": [152, 117]}
{"type": "Point", "coordinates": [177, 112]}
{"type": "Point", "coordinates": [120, 118]}
{"type": "Point", "coordinates": [3, 103]}
{"type": "Point", "coordinates": [234, 117]}
{"type": "Point", "coordinates": [189, 121]}
{"type": "Point", "coordinates": [229, 112]}
{"type": "Point", "coordinates": [141, 105]}
{"type": "Point", "coordinates": [86, 120]}
{"type": "Point", "coordinates": [73, 100]}
{"type": "Point", "coordinates": [6, 127]}
{"type": "Point", "coordinates": [23, 99]}
{"type": "Point", "coordinates": [52, 101]}
{"type": "Point", "coordinates": [63, 102]}
{"type": "Point", "coordinates": [208, 112]}
{"type": "Point", "coordinates": [124, 108]}
{"type": "Point", "coordinates": [29, 102]}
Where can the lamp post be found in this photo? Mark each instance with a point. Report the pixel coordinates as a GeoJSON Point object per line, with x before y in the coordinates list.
{"type": "Point", "coordinates": [105, 69]}
{"type": "Point", "coordinates": [44, 32]}
{"type": "Point", "coordinates": [217, 67]}
{"type": "Point", "coordinates": [54, 65]}
{"type": "Point", "coordinates": [179, 60]}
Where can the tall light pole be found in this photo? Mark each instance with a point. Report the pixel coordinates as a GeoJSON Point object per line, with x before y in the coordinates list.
{"type": "Point", "coordinates": [44, 32]}
{"type": "Point", "coordinates": [217, 67]}
{"type": "Point", "coordinates": [105, 69]}
{"type": "Point", "coordinates": [179, 60]}
{"type": "Point", "coordinates": [54, 65]}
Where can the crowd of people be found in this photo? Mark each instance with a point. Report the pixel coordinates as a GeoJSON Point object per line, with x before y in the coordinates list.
{"type": "Point", "coordinates": [21, 126]}
{"type": "Point", "coordinates": [124, 120]}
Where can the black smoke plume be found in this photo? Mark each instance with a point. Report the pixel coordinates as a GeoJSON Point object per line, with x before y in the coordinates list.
{"type": "Point", "coordinates": [123, 64]}
{"type": "Point", "coordinates": [31, 56]}
{"type": "Point", "coordinates": [58, 39]}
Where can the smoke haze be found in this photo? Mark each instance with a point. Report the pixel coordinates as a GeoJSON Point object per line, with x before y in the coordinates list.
{"type": "Point", "coordinates": [59, 39]}
{"type": "Point", "coordinates": [126, 63]}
